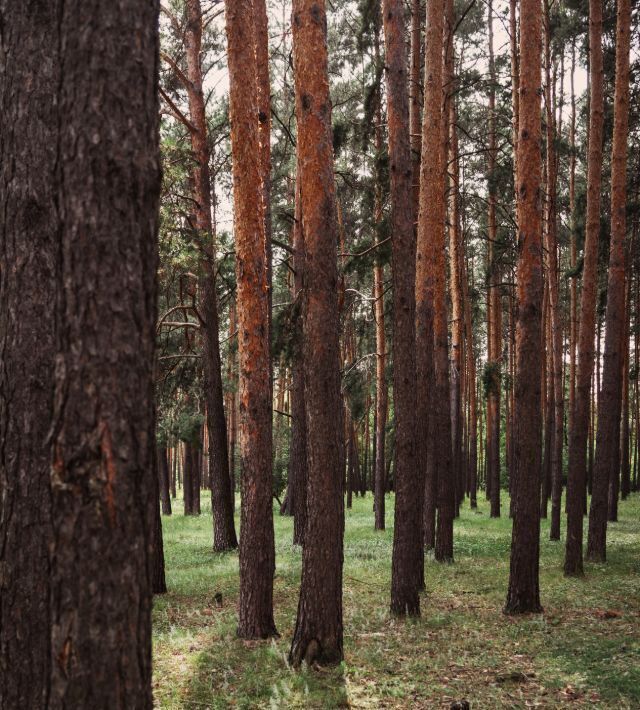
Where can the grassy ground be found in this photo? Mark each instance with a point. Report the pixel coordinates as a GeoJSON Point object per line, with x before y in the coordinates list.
{"type": "Point", "coordinates": [584, 651]}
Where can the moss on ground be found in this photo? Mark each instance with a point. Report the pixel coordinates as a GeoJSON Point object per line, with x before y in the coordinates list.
{"type": "Point", "coordinates": [583, 651]}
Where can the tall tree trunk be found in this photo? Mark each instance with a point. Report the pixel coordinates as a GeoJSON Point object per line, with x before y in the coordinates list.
{"type": "Point", "coordinates": [318, 632]}
{"type": "Point", "coordinates": [580, 424]}
{"type": "Point", "coordinates": [28, 237]}
{"type": "Point", "coordinates": [158, 580]}
{"type": "Point", "coordinates": [415, 87]}
{"type": "Point", "coordinates": [524, 588]}
{"type": "Point", "coordinates": [298, 449]}
{"type": "Point", "coordinates": [556, 380]}
{"type": "Point", "coordinates": [76, 384]}
{"type": "Point", "coordinates": [495, 301]}
{"type": "Point", "coordinates": [257, 544]}
{"type": "Point", "coordinates": [609, 400]}
{"type": "Point", "coordinates": [381, 345]}
{"type": "Point", "coordinates": [625, 471]}
{"type": "Point", "coordinates": [407, 560]}
{"type": "Point", "coordinates": [224, 534]}
{"type": "Point", "coordinates": [573, 288]}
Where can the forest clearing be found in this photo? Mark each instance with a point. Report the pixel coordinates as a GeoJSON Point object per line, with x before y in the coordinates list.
{"type": "Point", "coordinates": [582, 651]}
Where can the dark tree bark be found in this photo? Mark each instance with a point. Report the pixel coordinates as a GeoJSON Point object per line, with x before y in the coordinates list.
{"type": "Point", "coordinates": [407, 561]}
{"type": "Point", "coordinates": [28, 253]}
{"type": "Point", "coordinates": [298, 449]}
{"type": "Point", "coordinates": [318, 633]}
{"type": "Point", "coordinates": [224, 534]}
{"type": "Point", "coordinates": [158, 581]}
{"type": "Point", "coordinates": [163, 480]}
{"type": "Point", "coordinates": [257, 546]}
{"type": "Point", "coordinates": [187, 478]}
{"type": "Point", "coordinates": [524, 588]}
{"type": "Point", "coordinates": [79, 190]}
{"type": "Point", "coordinates": [607, 457]}
{"type": "Point", "coordinates": [580, 417]}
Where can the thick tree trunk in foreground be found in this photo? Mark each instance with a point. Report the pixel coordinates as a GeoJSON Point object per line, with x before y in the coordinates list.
{"type": "Point", "coordinates": [318, 632]}
{"type": "Point", "coordinates": [79, 190]}
{"type": "Point", "coordinates": [28, 237]}
{"type": "Point", "coordinates": [524, 589]}
{"type": "Point", "coordinates": [257, 545]}
{"type": "Point", "coordinates": [580, 417]}
{"type": "Point", "coordinates": [610, 399]}
{"type": "Point", "coordinates": [406, 575]}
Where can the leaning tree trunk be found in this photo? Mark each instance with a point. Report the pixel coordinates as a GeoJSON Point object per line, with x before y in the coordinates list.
{"type": "Point", "coordinates": [318, 633]}
{"type": "Point", "coordinates": [524, 588]}
{"type": "Point", "coordinates": [406, 575]}
{"type": "Point", "coordinates": [79, 189]}
{"type": "Point", "coordinates": [576, 478]}
{"type": "Point", "coordinates": [610, 399]}
{"type": "Point", "coordinates": [257, 545]}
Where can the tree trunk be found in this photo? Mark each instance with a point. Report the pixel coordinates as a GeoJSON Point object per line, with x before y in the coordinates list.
{"type": "Point", "coordinates": [580, 424]}
{"type": "Point", "coordinates": [163, 480]}
{"type": "Point", "coordinates": [79, 192]}
{"type": "Point", "coordinates": [257, 546]}
{"type": "Point", "coordinates": [407, 560]}
{"type": "Point", "coordinates": [609, 400]}
{"type": "Point", "coordinates": [381, 345]}
{"type": "Point", "coordinates": [318, 632]}
{"type": "Point", "coordinates": [298, 448]}
{"type": "Point", "coordinates": [523, 595]}
{"type": "Point", "coordinates": [495, 301]}
{"type": "Point", "coordinates": [556, 380]}
{"type": "Point", "coordinates": [224, 534]}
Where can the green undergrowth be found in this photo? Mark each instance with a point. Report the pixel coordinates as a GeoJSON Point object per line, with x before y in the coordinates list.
{"type": "Point", "coordinates": [583, 651]}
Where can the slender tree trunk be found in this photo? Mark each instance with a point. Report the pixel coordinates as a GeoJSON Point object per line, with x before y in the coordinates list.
{"type": "Point", "coordinates": [407, 561]}
{"type": "Point", "coordinates": [257, 546]}
{"type": "Point", "coordinates": [573, 288]}
{"type": "Point", "coordinates": [609, 400]}
{"type": "Point", "coordinates": [381, 345]}
{"type": "Point", "coordinates": [524, 589]}
{"type": "Point", "coordinates": [224, 534]}
{"type": "Point", "coordinates": [318, 633]}
{"type": "Point", "coordinates": [298, 450]}
{"type": "Point", "coordinates": [580, 424]}
{"type": "Point", "coordinates": [625, 471]}
{"type": "Point", "coordinates": [163, 480]}
{"type": "Point", "coordinates": [495, 301]}
{"type": "Point", "coordinates": [556, 380]}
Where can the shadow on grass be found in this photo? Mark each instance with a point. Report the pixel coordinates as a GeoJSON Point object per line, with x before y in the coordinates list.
{"type": "Point", "coordinates": [257, 674]}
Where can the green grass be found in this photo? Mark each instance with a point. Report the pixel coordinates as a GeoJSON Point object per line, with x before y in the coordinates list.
{"type": "Point", "coordinates": [583, 651]}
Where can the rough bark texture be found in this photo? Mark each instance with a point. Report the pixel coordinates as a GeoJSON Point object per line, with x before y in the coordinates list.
{"type": "Point", "coordinates": [79, 191]}
{"type": "Point", "coordinates": [576, 479]}
{"type": "Point", "coordinates": [28, 251]}
{"type": "Point", "coordinates": [318, 632]}
{"type": "Point", "coordinates": [224, 534]}
{"type": "Point", "coordinates": [407, 561]}
{"type": "Point", "coordinates": [257, 546]}
{"type": "Point", "coordinates": [524, 589]}
{"type": "Point", "coordinates": [607, 457]}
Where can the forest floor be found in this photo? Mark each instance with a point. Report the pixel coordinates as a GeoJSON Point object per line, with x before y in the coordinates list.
{"type": "Point", "coordinates": [583, 651]}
